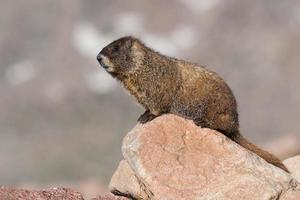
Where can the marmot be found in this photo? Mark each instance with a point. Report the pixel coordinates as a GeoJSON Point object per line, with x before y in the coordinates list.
{"type": "Point", "coordinates": [164, 84]}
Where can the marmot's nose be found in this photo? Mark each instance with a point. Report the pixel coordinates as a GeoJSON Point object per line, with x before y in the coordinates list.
{"type": "Point", "coordinates": [99, 57]}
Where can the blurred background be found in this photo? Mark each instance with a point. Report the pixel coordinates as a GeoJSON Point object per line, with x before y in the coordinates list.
{"type": "Point", "coordinates": [62, 117]}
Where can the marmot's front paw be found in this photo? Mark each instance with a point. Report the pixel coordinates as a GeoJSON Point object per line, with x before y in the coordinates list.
{"type": "Point", "coordinates": [146, 117]}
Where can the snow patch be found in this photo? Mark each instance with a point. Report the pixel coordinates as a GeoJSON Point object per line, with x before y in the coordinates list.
{"type": "Point", "coordinates": [184, 36]}
{"type": "Point", "coordinates": [128, 24]}
{"type": "Point", "coordinates": [177, 40]}
{"type": "Point", "coordinates": [162, 44]}
{"type": "Point", "coordinates": [88, 40]}
{"type": "Point", "coordinates": [20, 72]}
{"type": "Point", "coordinates": [100, 82]}
{"type": "Point", "coordinates": [200, 5]}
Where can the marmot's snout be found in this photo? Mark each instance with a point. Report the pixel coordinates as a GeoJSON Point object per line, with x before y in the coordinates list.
{"type": "Point", "coordinates": [100, 60]}
{"type": "Point", "coordinates": [99, 57]}
{"type": "Point", "coordinates": [105, 62]}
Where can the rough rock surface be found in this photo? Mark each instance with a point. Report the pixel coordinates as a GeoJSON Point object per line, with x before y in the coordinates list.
{"type": "Point", "coordinates": [109, 198]}
{"type": "Point", "coordinates": [171, 158]}
{"type": "Point", "coordinates": [291, 194]}
{"type": "Point", "coordinates": [124, 182]}
{"type": "Point", "coordinates": [8, 193]}
{"type": "Point", "coordinates": [293, 165]}
{"type": "Point", "coordinates": [50, 194]}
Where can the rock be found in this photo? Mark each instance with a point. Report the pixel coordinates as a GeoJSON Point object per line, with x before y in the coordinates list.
{"type": "Point", "coordinates": [7, 193]}
{"type": "Point", "coordinates": [291, 194]}
{"type": "Point", "coordinates": [171, 158]}
{"type": "Point", "coordinates": [89, 187]}
{"type": "Point", "coordinates": [125, 183]}
{"type": "Point", "coordinates": [110, 198]}
{"type": "Point", "coordinates": [293, 165]}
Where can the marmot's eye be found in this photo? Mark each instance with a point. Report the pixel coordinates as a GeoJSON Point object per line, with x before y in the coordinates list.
{"type": "Point", "coordinates": [115, 49]}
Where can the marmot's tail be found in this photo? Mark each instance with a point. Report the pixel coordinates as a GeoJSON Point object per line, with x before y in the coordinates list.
{"type": "Point", "coordinates": [263, 154]}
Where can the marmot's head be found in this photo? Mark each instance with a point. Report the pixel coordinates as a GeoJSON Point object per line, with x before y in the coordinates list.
{"type": "Point", "coordinates": [121, 56]}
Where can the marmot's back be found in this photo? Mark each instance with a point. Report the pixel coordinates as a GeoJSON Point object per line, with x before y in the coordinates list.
{"type": "Point", "coordinates": [205, 97]}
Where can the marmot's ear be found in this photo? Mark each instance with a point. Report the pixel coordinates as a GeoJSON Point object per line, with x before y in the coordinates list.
{"type": "Point", "coordinates": [128, 42]}
{"type": "Point", "coordinates": [136, 45]}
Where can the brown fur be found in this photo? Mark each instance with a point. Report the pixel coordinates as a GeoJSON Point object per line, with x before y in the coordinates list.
{"type": "Point", "coordinates": [167, 85]}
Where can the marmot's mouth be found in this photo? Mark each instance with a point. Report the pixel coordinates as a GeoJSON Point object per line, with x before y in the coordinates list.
{"type": "Point", "coordinates": [103, 65]}
{"type": "Point", "coordinates": [105, 62]}
{"type": "Point", "coordinates": [100, 58]}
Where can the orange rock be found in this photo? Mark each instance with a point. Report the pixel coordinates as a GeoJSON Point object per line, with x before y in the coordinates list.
{"type": "Point", "coordinates": [173, 159]}
{"type": "Point", "coordinates": [126, 183]}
